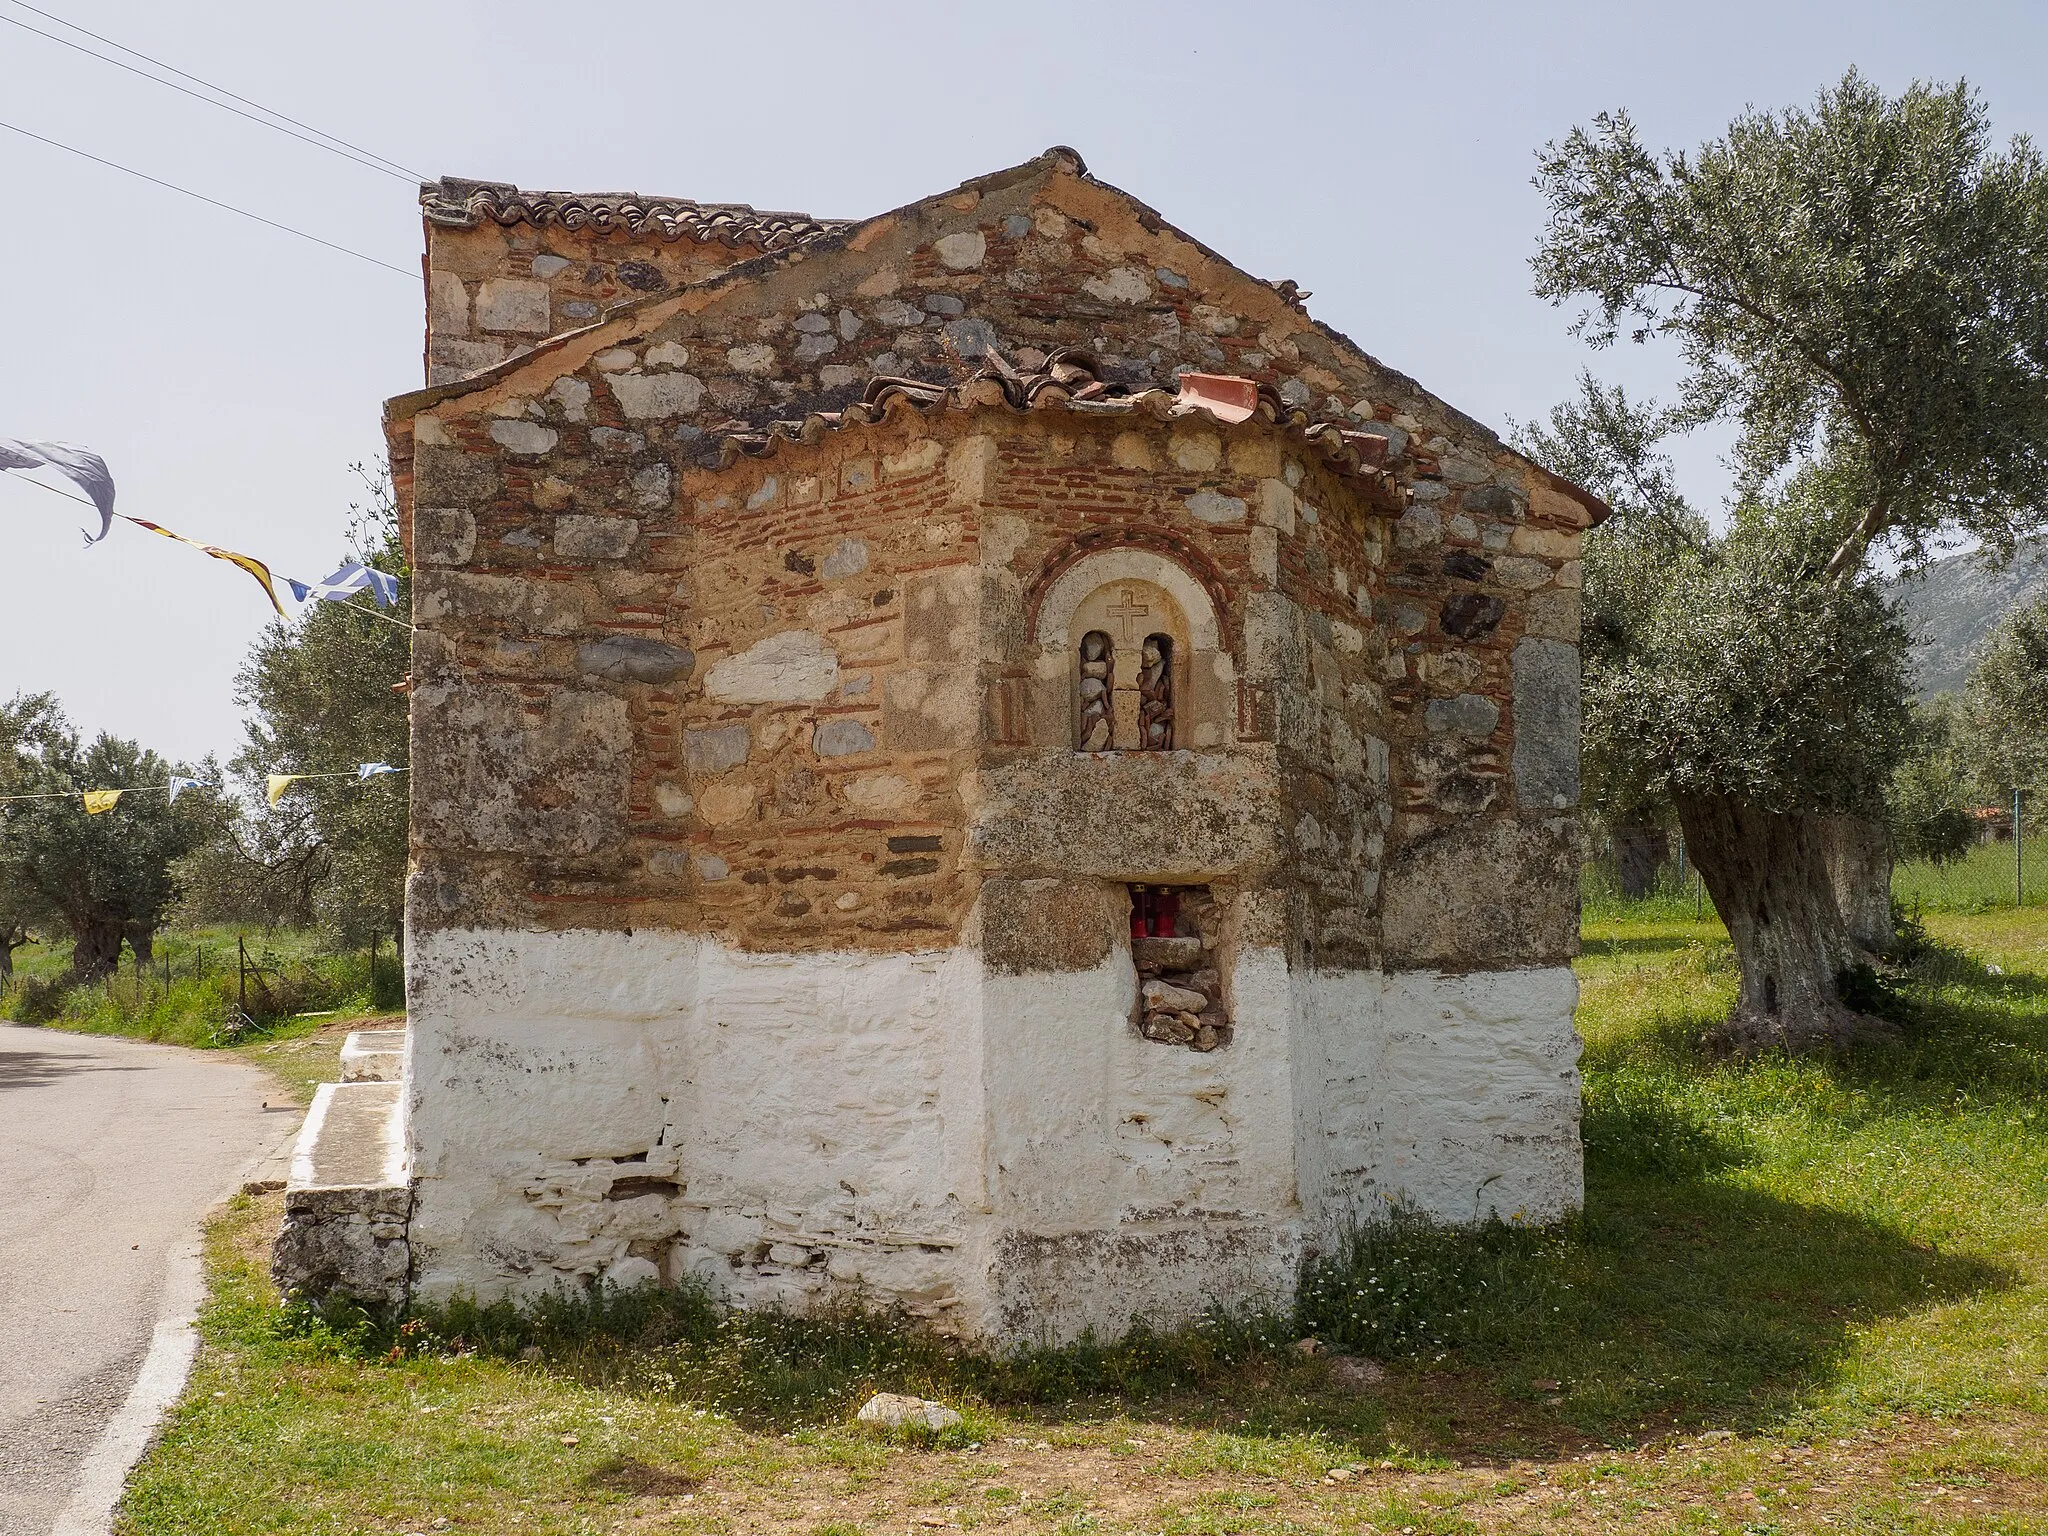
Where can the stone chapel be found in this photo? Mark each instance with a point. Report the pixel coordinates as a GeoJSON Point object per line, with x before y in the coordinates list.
{"type": "Point", "coordinates": [979, 753]}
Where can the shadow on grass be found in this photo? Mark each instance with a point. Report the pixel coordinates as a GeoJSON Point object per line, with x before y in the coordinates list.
{"type": "Point", "coordinates": [623, 1474]}
{"type": "Point", "coordinates": [1645, 946]}
{"type": "Point", "coordinates": [1708, 1304]}
{"type": "Point", "coordinates": [1941, 967]}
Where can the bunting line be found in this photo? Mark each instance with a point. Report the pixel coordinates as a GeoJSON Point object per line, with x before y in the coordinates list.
{"type": "Point", "coordinates": [81, 466]}
{"type": "Point", "coordinates": [99, 801]}
{"type": "Point", "coordinates": [175, 785]}
{"type": "Point", "coordinates": [249, 563]}
{"type": "Point", "coordinates": [87, 469]}
{"type": "Point", "coordinates": [276, 784]}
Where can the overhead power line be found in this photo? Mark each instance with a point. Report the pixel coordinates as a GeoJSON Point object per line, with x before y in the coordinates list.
{"type": "Point", "coordinates": [318, 138]}
{"type": "Point", "coordinates": [214, 202]}
{"type": "Point", "coordinates": [67, 495]}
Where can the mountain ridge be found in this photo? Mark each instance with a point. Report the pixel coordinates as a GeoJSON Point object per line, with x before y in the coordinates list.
{"type": "Point", "coordinates": [1951, 605]}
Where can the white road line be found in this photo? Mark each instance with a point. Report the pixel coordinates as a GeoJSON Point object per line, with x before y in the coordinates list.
{"type": "Point", "coordinates": [173, 1345]}
{"type": "Point", "coordinates": [104, 1473]}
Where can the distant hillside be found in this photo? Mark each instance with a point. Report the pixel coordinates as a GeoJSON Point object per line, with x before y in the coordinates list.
{"type": "Point", "coordinates": [1955, 603]}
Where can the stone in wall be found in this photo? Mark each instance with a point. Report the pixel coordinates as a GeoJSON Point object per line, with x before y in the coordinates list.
{"type": "Point", "coordinates": [1546, 758]}
{"type": "Point", "coordinates": [1483, 893]}
{"type": "Point", "coordinates": [634, 659]}
{"type": "Point", "coordinates": [345, 1242]}
{"type": "Point", "coordinates": [1048, 924]}
{"type": "Point", "coordinates": [795, 666]}
{"type": "Point", "coordinates": [499, 773]}
{"type": "Point", "coordinates": [1179, 815]}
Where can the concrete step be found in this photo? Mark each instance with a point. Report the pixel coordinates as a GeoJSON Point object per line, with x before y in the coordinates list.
{"type": "Point", "coordinates": [349, 1197]}
{"type": "Point", "coordinates": [353, 1138]}
{"type": "Point", "coordinates": [373, 1056]}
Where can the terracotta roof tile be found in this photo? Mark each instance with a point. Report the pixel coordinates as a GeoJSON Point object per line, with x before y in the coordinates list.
{"type": "Point", "coordinates": [1066, 379]}
{"type": "Point", "coordinates": [460, 204]}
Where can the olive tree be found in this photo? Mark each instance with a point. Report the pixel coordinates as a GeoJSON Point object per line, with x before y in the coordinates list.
{"type": "Point", "coordinates": [1862, 289]}
{"type": "Point", "coordinates": [1926, 804]}
{"type": "Point", "coordinates": [319, 700]}
{"type": "Point", "coordinates": [1999, 726]}
{"type": "Point", "coordinates": [1867, 282]}
{"type": "Point", "coordinates": [24, 910]}
{"type": "Point", "coordinates": [1731, 678]}
{"type": "Point", "coordinates": [108, 877]}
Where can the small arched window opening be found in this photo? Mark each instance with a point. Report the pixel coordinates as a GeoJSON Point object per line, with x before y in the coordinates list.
{"type": "Point", "coordinates": [1155, 694]}
{"type": "Point", "coordinates": [1128, 659]}
{"type": "Point", "coordinates": [1097, 677]}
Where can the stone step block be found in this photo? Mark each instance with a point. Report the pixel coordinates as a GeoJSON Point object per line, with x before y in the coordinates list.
{"type": "Point", "coordinates": [349, 1198]}
{"type": "Point", "coordinates": [353, 1138]}
{"type": "Point", "coordinates": [373, 1056]}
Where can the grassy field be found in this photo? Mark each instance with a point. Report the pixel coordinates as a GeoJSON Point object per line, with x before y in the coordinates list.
{"type": "Point", "coordinates": [1804, 1297]}
{"type": "Point", "coordinates": [1980, 881]}
{"type": "Point", "coordinates": [196, 999]}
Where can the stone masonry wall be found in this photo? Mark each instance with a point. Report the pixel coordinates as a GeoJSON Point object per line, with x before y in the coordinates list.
{"type": "Point", "coordinates": [1462, 612]}
{"type": "Point", "coordinates": [764, 716]}
{"type": "Point", "coordinates": [746, 718]}
{"type": "Point", "coordinates": [495, 289]}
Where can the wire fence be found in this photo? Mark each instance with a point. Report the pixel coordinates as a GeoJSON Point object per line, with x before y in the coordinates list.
{"type": "Point", "coordinates": [1989, 876]}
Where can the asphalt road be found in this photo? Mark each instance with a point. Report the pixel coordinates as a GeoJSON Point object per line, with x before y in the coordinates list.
{"type": "Point", "coordinates": [111, 1152]}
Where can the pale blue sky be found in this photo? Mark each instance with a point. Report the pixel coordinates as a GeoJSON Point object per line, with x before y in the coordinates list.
{"type": "Point", "coordinates": [1379, 155]}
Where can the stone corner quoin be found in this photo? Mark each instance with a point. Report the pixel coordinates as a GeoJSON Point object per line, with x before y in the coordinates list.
{"type": "Point", "coordinates": [1133, 842]}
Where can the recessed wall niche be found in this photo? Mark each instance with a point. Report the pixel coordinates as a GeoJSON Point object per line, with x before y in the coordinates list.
{"type": "Point", "coordinates": [1177, 947]}
{"type": "Point", "coordinates": [1130, 644]}
{"type": "Point", "coordinates": [1129, 638]}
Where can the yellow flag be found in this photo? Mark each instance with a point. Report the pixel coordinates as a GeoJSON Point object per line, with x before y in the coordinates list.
{"type": "Point", "coordinates": [278, 783]}
{"type": "Point", "coordinates": [97, 800]}
{"type": "Point", "coordinates": [249, 563]}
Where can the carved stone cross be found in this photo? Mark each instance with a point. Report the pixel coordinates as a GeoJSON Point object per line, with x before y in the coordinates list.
{"type": "Point", "coordinates": [1130, 609]}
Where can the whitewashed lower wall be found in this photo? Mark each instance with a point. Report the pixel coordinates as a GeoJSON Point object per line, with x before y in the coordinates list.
{"type": "Point", "coordinates": [1129, 1179]}
{"type": "Point", "coordinates": [1454, 1097]}
{"type": "Point", "coordinates": [1005, 1154]}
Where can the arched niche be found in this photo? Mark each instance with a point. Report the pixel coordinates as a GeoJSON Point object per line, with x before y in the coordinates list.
{"type": "Point", "coordinates": [1129, 646]}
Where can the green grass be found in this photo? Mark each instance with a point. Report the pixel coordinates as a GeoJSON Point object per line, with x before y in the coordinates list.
{"type": "Point", "coordinates": [1803, 1296]}
{"type": "Point", "coordinates": [294, 973]}
{"type": "Point", "coordinates": [1982, 880]}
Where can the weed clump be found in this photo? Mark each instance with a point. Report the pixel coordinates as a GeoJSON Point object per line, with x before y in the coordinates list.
{"type": "Point", "coordinates": [38, 1000]}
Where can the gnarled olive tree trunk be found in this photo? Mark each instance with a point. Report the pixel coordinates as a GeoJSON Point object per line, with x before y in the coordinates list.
{"type": "Point", "coordinates": [11, 939]}
{"type": "Point", "coordinates": [95, 948]}
{"type": "Point", "coordinates": [1860, 869]}
{"type": "Point", "coordinates": [1771, 879]}
{"type": "Point", "coordinates": [1640, 846]}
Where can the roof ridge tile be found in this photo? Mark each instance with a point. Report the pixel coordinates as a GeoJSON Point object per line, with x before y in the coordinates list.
{"type": "Point", "coordinates": [456, 202]}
